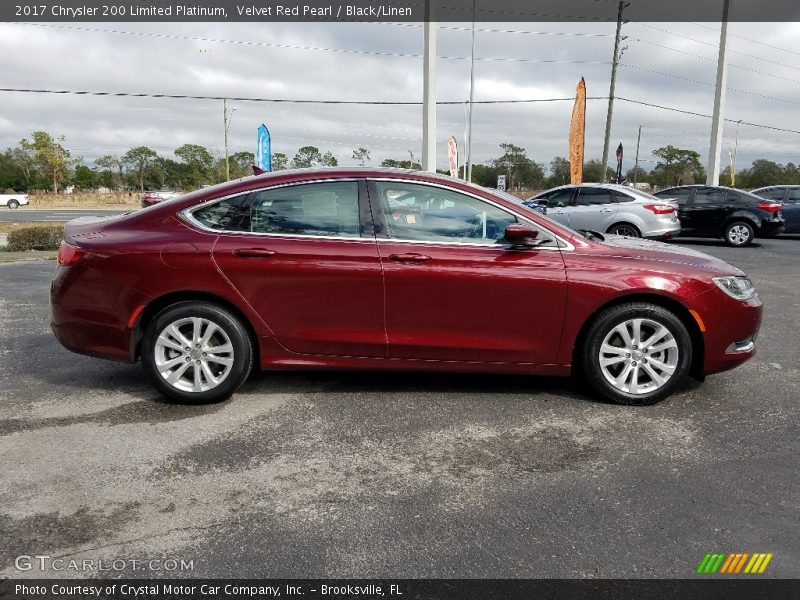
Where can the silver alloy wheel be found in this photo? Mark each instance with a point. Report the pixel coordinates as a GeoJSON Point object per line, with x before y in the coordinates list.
{"type": "Point", "coordinates": [194, 354]}
{"type": "Point", "coordinates": [739, 234]}
{"type": "Point", "coordinates": [625, 230]}
{"type": "Point", "coordinates": [638, 356]}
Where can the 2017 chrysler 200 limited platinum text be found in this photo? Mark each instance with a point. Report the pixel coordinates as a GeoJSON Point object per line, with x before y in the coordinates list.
{"type": "Point", "coordinates": [388, 269]}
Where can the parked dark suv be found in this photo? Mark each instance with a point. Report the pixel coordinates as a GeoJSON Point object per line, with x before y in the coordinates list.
{"type": "Point", "coordinates": [721, 212]}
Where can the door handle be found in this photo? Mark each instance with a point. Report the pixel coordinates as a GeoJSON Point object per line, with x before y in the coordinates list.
{"type": "Point", "coordinates": [606, 210]}
{"type": "Point", "coordinates": [254, 252]}
{"type": "Point", "coordinates": [411, 257]}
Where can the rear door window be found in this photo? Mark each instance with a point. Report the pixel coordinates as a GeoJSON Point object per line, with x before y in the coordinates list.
{"type": "Point", "coordinates": [594, 196]}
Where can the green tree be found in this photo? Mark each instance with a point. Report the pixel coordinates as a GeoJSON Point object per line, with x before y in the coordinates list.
{"type": "Point", "coordinates": [393, 163]}
{"type": "Point", "coordinates": [84, 178]}
{"type": "Point", "coordinates": [328, 160]}
{"type": "Point", "coordinates": [593, 172]}
{"type": "Point", "coordinates": [279, 161]}
{"type": "Point", "coordinates": [306, 157]}
{"type": "Point", "coordinates": [484, 175]}
{"type": "Point", "coordinates": [49, 156]}
{"type": "Point", "coordinates": [140, 157]}
{"type": "Point", "coordinates": [108, 164]}
{"type": "Point", "coordinates": [677, 167]}
{"type": "Point", "coordinates": [520, 170]}
{"type": "Point", "coordinates": [199, 160]}
{"type": "Point", "coordinates": [361, 156]}
{"type": "Point", "coordinates": [762, 173]}
{"type": "Point", "coordinates": [559, 172]}
{"type": "Point", "coordinates": [637, 174]}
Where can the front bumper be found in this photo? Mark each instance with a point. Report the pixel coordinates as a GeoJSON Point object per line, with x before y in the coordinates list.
{"type": "Point", "coordinates": [731, 329]}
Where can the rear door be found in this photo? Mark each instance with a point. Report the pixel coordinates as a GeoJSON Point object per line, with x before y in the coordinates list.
{"type": "Point", "coordinates": [704, 213]}
{"type": "Point", "coordinates": [304, 257]}
{"type": "Point", "coordinates": [791, 211]}
{"type": "Point", "coordinates": [595, 209]}
{"type": "Point", "coordinates": [454, 290]}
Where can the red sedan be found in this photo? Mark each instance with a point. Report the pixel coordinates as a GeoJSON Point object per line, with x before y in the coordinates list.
{"type": "Point", "coordinates": [389, 269]}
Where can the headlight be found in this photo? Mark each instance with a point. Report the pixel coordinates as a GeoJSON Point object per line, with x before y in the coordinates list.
{"type": "Point", "coordinates": [740, 288]}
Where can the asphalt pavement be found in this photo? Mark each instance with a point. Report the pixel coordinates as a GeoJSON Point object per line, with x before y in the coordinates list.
{"type": "Point", "coordinates": [398, 475]}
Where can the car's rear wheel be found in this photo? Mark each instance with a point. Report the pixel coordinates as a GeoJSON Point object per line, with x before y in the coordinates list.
{"type": "Point", "coordinates": [197, 352]}
{"type": "Point", "coordinates": [625, 229]}
{"type": "Point", "coordinates": [636, 353]}
{"type": "Point", "coordinates": [13, 204]}
{"type": "Point", "coordinates": [739, 234]}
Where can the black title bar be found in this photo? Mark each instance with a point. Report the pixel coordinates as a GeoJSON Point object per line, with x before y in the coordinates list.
{"type": "Point", "coordinates": [394, 11]}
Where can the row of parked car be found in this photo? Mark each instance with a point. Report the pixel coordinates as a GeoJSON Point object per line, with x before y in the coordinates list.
{"type": "Point", "coordinates": [691, 210]}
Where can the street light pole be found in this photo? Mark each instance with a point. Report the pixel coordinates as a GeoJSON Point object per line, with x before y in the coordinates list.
{"type": "Point", "coordinates": [712, 173]}
{"type": "Point", "coordinates": [636, 166]}
{"type": "Point", "coordinates": [611, 92]}
{"type": "Point", "coordinates": [468, 171]}
{"type": "Point", "coordinates": [429, 89]}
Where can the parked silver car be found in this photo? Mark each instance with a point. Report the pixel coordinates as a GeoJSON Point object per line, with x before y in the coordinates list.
{"type": "Point", "coordinates": [610, 208]}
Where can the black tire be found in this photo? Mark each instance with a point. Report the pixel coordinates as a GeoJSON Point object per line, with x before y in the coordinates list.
{"type": "Point", "coordinates": [625, 229]}
{"type": "Point", "coordinates": [604, 325]}
{"type": "Point", "coordinates": [242, 348]}
{"type": "Point", "coordinates": [739, 234]}
{"type": "Point", "coordinates": [13, 204]}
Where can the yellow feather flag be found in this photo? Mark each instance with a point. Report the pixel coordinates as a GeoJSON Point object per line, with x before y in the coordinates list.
{"type": "Point", "coordinates": [577, 134]}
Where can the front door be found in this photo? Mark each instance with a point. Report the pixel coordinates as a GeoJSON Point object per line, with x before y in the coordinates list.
{"type": "Point", "coordinates": [454, 290]}
{"type": "Point", "coordinates": [298, 256]}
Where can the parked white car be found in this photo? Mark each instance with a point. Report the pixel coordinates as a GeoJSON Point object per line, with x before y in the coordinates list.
{"type": "Point", "coordinates": [13, 200]}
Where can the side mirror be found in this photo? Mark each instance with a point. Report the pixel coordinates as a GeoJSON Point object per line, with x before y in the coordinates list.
{"type": "Point", "coordinates": [521, 236]}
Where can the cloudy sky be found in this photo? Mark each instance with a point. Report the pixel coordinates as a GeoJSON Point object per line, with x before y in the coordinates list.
{"type": "Point", "coordinates": [670, 64]}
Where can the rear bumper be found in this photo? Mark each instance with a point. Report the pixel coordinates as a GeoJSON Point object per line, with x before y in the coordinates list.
{"type": "Point", "coordinates": [770, 229]}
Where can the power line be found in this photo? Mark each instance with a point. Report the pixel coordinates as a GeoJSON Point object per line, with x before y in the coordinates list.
{"type": "Point", "coordinates": [710, 59]}
{"type": "Point", "coordinates": [661, 12]}
{"type": "Point", "coordinates": [284, 100]}
{"type": "Point", "coordinates": [172, 36]}
{"type": "Point", "coordinates": [697, 114]}
{"type": "Point", "coordinates": [713, 45]}
{"type": "Point", "coordinates": [739, 91]}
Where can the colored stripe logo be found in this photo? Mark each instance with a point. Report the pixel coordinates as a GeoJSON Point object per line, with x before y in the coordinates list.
{"type": "Point", "coordinates": [734, 564]}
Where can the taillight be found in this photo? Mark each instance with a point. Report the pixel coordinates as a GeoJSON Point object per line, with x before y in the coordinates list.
{"type": "Point", "coordinates": [69, 254]}
{"type": "Point", "coordinates": [660, 209]}
{"type": "Point", "coordinates": [769, 206]}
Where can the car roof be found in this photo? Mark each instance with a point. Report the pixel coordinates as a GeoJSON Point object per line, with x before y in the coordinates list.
{"type": "Point", "coordinates": [779, 186]}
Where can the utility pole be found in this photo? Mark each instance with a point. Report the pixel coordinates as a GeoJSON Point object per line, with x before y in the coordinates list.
{"type": "Point", "coordinates": [712, 173]}
{"type": "Point", "coordinates": [468, 173]}
{"type": "Point", "coordinates": [226, 123]}
{"type": "Point", "coordinates": [611, 92]}
{"type": "Point", "coordinates": [636, 166]}
{"type": "Point", "coordinates": [429, 90]}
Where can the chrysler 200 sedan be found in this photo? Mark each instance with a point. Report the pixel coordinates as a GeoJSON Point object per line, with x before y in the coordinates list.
{"type": "Point", "coordinates": [396, 270]}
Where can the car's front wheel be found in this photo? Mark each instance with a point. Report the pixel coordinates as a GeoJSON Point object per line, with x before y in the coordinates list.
{"type": "Point", "coordinates": [636, 353]}
{"type": "Point", "coordinates": [739, 234]}
{"type": "Point", "coordinates": [197, 352]}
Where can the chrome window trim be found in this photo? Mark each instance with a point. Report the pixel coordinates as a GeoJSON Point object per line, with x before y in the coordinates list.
{"type": "Point", "coordinates": [567, 245]}
{"type": "Point", "coordinates": [187, 216]}
{"type": "Point", "coordinates": [187, 213]}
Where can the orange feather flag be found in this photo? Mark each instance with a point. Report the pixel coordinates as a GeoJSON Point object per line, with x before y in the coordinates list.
{"type": "Point", "coordinates": [577, 134]}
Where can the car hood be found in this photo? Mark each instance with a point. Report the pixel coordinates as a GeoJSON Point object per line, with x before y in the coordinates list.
{"type": "Point", "coordinates": [668, 253]}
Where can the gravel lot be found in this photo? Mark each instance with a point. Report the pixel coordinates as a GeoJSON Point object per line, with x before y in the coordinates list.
{"type": "Point", "coordinates": [398, 475]}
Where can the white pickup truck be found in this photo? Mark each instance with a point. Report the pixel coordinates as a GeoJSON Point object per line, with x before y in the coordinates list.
{"type": "Point", "coordinates": [13, 200]}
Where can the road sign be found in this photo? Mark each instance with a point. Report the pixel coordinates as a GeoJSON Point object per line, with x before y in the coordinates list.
{"type": "Point", "coordinates": [501, 183]}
